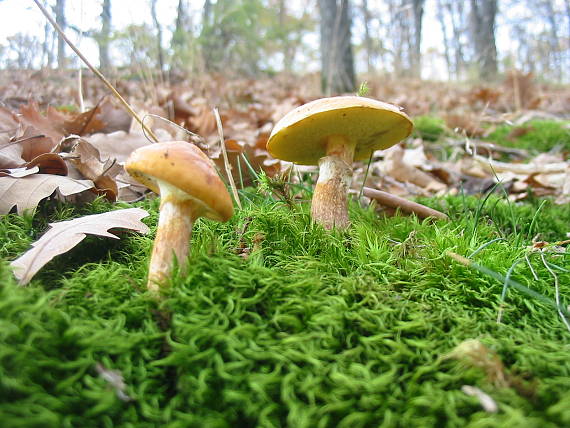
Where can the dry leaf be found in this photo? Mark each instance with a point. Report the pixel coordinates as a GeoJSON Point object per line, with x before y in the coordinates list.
{"type": "Point", "coordinates": [105, 117]}
{"type": "Point", "coordinates": [11, 156]}
{"type": "Point", "coordinates": [65, 235]}
{"type": "Point", "coordinates": [32, 117]}
{"type": "Point", "coordinates": [49, 163]}
{"type": "Point", "coordinates": [19, 172]}
{"type": "Point", "coordinates": [87, 159]}
{"type": "Point", "coordinates": [398, 169]}
{"type": "Point", "coordinates": [27, 192]}
{"type": "Point", "coordinates": [118, 145]}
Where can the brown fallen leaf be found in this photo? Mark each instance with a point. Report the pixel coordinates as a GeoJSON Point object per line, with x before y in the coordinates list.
{"type": "Point", "coordinates": [87, 160]}
{"type": "Point", "coordinates": [32, 117]}
{"type": "Point", "coordinates": [396, 167]}
{"type": "Point", "coordinates": [27, 192]}
{"type": "Point", "coordinates": [49, 163]}
{"type": "Point", "coordinates": [105, 117]}
{"type": "Point", "coordinates": [11, 156]}
{"type": "Point", "coordinates": [65, 235]}
{"type": "Point", "coordinates": [118, 145]}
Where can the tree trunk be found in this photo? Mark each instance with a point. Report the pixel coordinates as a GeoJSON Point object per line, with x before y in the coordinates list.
{"type": "Point", "coordinates": [60, 20]}
{"type": "Point", "coordinates": [483, 14]}
{"type": "Point", "coordinates": [367, 38]}
{"type": "Point", "coordinates": [337, 62]}
{"type": "Point", "coordinates": [553, 40]}
{"type": "Point", "coordinates": [105, 36]}
{"type": "Point", "coordinates": [47, 45]}
{"type": "Point", "coordinates": [415, 53]}
{"type": "Point", "coordinates": [179, 36]}
{"type": "Point", "coordinates": [443, 25]}
{"type": "Point", "coordinates": [205, 42]}
{"type": "Point", "coordinates": [158, 27]}
{"type": "Point", "coordinates": [457, 22]}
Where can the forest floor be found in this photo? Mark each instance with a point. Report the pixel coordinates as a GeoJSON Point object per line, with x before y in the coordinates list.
{"type": "Point", "coordinates": [278, 322]}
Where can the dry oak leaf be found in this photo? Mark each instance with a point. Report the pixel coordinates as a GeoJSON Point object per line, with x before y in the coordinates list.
{"type": "Point", "coordinates": [27, 192]}
{"type": "Point", "coordinates": [31, 116]}
{"type": "Point", "coordinates": [105, 117]}
{"type": "Point", "coordinates": [65, 235]}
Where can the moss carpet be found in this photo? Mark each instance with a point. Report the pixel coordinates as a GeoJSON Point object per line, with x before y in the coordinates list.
{"type": "Point", "coordinates": [278, 323]}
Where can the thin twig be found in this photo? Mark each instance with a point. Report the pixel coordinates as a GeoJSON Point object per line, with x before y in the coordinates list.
{"type": "Point", "coordinates": [407, 206]}
{"type": "Point", "coordinates": [95, 71]}
{"type": "Point", "coordinates": [225, 155]}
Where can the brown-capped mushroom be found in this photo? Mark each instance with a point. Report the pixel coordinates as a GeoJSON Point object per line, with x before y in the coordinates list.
{"type": "Point", "coordinates": [332, 133]}
{"type": "Point", "coordinates": [189, 187]}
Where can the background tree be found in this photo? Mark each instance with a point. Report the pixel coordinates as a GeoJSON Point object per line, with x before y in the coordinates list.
{"type": "Point", "coordinates": [232, 37]}
{"type": "Point", "coordinates": [158, 42]}
{"type": "Point", "coordinates": [60, 19]}
{"type": "Point", "coordinates": [182, 44]}
{"type": "Point", "coordinates": [483, 14]}
{"type": "Point", "coordinates": [104, 36]}
{"type": "Point", "coordinates": [24, 51]}
{"type": "Point", "coordinates": [48, 45]}
{"type": "Point", "coordinates": [417, 7]}
{"type": "Point", "coordinates": [337, 61]}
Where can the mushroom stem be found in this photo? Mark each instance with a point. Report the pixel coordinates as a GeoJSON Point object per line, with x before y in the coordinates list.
{"type": "Point", "coordinates": [172, 236]}
{"type": "Point", "coordinates": [329, 206]}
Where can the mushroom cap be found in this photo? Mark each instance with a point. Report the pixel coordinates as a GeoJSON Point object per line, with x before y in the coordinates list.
{"type": "Point", "coordinates": [300, 136]}
{"type": "Point", "coordinates": [185, 167]}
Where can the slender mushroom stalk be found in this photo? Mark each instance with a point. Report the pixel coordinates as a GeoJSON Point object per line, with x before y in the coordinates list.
{"type": "Point", "coordinates": [334, 132]}
{"type": "Point", "coordinates": [175, 222]}
{"type": "Point", "coordinates": [329, 206]}
{"type": "Point", "coordinates": [189, 188]}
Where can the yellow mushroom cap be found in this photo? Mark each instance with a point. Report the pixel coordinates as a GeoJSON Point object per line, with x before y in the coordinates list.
{"type": "Point", "coordinates": [300, 136]}
{"type": "Point", "coordinates": [185, 167]}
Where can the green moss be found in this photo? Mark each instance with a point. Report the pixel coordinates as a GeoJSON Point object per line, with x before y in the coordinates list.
{"type": "Point", "coordinates": [536, 135]}
{"type": "Point", "coordinates": [279, 323]}
{"type": "Point", "coordinates": [428, 128]}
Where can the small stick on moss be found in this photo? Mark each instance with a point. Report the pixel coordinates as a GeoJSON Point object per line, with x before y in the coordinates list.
{"type": "Point", "coordinates": [225, 155]}
{"type": "Point", "coordinates": [392, 201]}
{"type": "Point", "coordinates": [96, 72]}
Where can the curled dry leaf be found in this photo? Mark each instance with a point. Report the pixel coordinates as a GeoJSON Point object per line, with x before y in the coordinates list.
{"type": "Point", "coordinates": [65, 235]}
{"type": "Point", "coordinates": [27, 192]}
{"type": "Point", "coordinates": [49, 163]}
{"type": "Point", "coordinates": [87, 159]}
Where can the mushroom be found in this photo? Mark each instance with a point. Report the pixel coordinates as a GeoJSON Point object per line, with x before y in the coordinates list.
{"type": "Point", "coordinates": [189, 187]}
{"type": "Point", "coordinates": [332, 133]}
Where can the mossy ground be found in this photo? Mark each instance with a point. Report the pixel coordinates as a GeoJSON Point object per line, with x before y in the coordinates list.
{"type": "Point", "coordinates": [536, 136]}
{"type": "Point", "coordinates": [305, 329]}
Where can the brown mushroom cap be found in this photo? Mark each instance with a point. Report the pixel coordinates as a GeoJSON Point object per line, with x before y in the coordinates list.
{"type": "Point", "coordinates": [184, 166]}
{"type": "Point", "coordinates": [300, 136]}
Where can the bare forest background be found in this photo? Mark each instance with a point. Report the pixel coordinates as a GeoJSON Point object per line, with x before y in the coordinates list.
{"type": "Point", "coordinates": [456, 40]}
